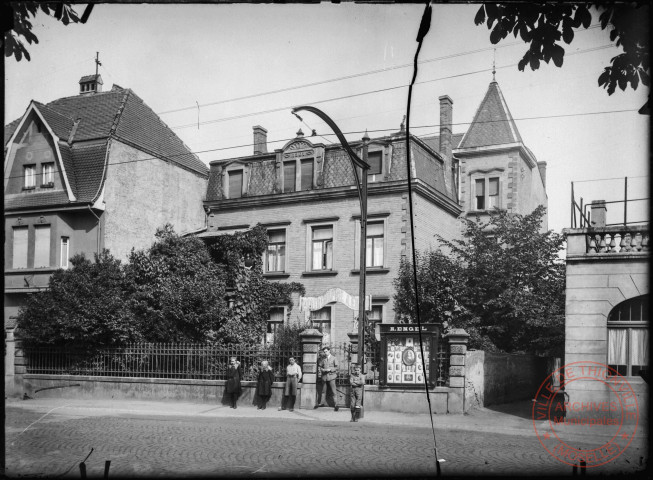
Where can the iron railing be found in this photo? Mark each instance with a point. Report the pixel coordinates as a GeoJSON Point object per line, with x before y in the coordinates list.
{"type": "Point", "coordinates": [196, 361]}
{"type": "Point", "coordinates": [160, 360]}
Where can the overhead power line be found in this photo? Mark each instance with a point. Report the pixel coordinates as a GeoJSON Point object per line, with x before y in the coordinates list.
{"type": "Point", "coordinates": [348, 77]}
{"type": "Point", "coordinates": [369, 92]}
{"type": "Point", "coordinates": [353, 132]}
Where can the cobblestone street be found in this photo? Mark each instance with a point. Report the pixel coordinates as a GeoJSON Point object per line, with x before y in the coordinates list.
{"type": "Point", "coordinates": [248, 443]}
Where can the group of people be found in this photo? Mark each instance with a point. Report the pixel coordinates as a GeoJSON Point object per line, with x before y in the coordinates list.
{"type": "Point", "coordinates": [328, 369]}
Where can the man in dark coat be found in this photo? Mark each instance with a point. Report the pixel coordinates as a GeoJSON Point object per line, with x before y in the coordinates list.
{"type": "Point", "coordinates": [234, 375]}
{"type": "Point", "coordinates": [264, 384]}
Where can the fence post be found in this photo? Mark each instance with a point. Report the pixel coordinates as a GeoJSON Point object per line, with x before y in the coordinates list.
{"type": "Point", "coordinates": [458, 339]}
{"type": "Point", "coordinates": [10, 362]}
{"type": "Point", "coordinates": [311, 341]}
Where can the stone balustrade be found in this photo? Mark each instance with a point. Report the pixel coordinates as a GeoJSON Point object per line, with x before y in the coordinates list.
{"type": "Point", "coordinates": [617, 240]}
{"type": "Point", "coordinates": [613, 240]}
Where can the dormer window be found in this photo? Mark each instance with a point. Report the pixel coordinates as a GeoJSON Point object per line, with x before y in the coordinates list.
{"type": "Point", "coordinates": [235, 183]}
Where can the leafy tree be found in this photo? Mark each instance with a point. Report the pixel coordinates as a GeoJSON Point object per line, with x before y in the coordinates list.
{"type": "Point", "coordinates": [503, 283]}
{"type": "Point", "coordinates": [18, 27]}
{"type": "Point", "coordinates": [251, 295]}
{"type": "Point", "coordinates": [83, 307]}
{"type": "Point", "coordinates": [176, 292]}
{"type": "Point", "coordinates": [544, 26]}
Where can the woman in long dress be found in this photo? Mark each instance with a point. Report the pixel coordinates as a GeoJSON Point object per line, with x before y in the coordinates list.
{"type": "Point", "coordinates": [234, 375]}
{"type": "Point", "coordinates": [264, 384]}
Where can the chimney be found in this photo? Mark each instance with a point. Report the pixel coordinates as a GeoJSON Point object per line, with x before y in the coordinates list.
{"type": "Point", "coordinates": [90, 84]}
{"type": "Point", "coordinates": [541, 166]}
{"type": "Point", "coordinates": [598, 213]}
{"type": "Point", "coordinates": [260, 140]}
{"type": "Point", "coordinates": [446, 121]}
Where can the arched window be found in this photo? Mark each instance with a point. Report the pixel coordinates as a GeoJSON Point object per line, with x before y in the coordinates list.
{"type": "Point", "coordinates": [628, 336]}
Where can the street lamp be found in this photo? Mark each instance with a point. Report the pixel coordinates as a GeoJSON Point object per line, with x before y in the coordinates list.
{"type": "Point", "coordinates": [361, 185]}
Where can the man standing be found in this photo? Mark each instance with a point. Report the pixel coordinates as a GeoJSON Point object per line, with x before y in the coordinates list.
{"type": "Point", "coordinates": [329, 372]}
{"type": "Point", "coordinates": [357, 382]}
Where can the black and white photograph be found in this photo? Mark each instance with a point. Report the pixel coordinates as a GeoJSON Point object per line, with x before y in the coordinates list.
{"type": "Point", "coordinates": [326, 239]}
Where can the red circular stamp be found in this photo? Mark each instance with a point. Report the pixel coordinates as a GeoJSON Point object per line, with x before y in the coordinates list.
{"type": "Point", "coordinates": [605, 413]}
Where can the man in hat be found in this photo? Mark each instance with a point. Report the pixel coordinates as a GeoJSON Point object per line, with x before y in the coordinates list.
{"type": "Point", "coordinates": [329, 372]}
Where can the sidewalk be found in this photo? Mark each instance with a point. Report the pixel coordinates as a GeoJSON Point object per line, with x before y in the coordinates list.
{"type": "Point", "coordinates": [510, 419]}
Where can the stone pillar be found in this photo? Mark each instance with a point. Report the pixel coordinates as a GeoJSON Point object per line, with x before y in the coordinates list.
{"type": "Point", "coordinates": [15, 365]}
{"type": "Point", "coordinates": [311, 341]}
{"type": "Point", "coordinates": [458, 339]}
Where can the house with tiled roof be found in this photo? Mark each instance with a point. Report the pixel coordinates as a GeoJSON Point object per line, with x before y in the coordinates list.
{"type": "Point", "coordinates": [304, 193]}
{"type": "Point", "coordinates": [92, 171]}
{"type": "Point", "coordinates": [493, 168]}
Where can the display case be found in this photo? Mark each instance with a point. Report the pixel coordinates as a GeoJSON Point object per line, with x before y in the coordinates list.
{"type": "Point", "coordinates": [401, 354]}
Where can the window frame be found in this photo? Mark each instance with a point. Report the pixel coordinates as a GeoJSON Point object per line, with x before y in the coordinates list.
{"type": "Point", "coordinates": [298, 173]}
{"type": "Point", "coordinates": [628, 325]}
{"type": "Point", "coordinates": [313, 323]}
{"type": "Point", "coordinates": [242, 182]}
{"type": "Point", "coordinates": [50, 174]}
{"type": "Point", "coordinates": [311, 243]}
{"type": "Point", "coordinates": [285, 255]}
{"type": "Point", "coordinates": [486, 179]}
{"type": "Point", "coordinates": [22, 228]}
{"type": "Point", "coordinates": [37, 255]}
{"type": "Point", "coordinates": [269, 336]}
{"type": "Point", "coordinates": [64, 259]}
{"type": "Point", "coordinates": [29, 185]}
{"type": "Point", "coordinates": [373, 218]}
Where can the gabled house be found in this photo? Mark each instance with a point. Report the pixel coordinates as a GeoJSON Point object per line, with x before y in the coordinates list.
{"type": "Point", "coordinates": [93, 171]}
{"type": "Point", "coordinates": [492, 165]}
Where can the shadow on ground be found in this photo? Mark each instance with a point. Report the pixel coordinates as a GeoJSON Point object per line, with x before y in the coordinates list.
{"type": "Point", "coordinates": [521, 409]}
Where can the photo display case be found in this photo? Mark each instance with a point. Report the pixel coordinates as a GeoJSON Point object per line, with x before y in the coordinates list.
{"type": "Point", "coordinates": [401, 355]}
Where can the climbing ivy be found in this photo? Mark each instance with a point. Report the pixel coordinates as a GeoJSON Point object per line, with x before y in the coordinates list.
{"type": "Point", "coordinates": [250, 294]}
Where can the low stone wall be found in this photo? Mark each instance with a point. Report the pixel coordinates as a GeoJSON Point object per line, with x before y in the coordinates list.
{"type": "Point", "coordinates": [212, 392]}
{"type": "Point", "coordinates": [494, 378]}
{"type": "Point", "coordinates": [157, 389]}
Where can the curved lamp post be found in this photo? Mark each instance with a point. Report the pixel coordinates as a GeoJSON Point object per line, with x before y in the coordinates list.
{"type": "Point", "coordinates": [361, 185]}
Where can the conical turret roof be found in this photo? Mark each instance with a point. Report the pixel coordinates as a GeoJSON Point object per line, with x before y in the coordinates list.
{"type": "Point", "coordinates": [493, 124]}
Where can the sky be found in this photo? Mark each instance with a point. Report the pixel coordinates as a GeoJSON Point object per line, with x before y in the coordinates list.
{"type": "Point", "coordinates": [212, 72]}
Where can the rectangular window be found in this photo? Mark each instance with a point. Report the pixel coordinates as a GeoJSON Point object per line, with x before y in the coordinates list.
{"type": "Point", "coordinates": [20, 248]}
{"type": "Point", "coordinates": [307, 174]}
{"type": "Point", "coordinates": [493, 193]}
{"type": "Point", "coordinates": [321, 320]}
{"type": "Point", "coordinates": [374, 249]}
{"type": "Point", "coordinates": [276, 253]}
{"type": "Point", "coordinates": [42, 246]}
{"type": "Point", "coordinates": [65, 252]}
{"type": "Point", "coordinates": [376, 315]}
{"type": "Point", "coordinates": [480, 194]}
{"type": "Point", "coordinates": [274, 323]}
{"type": "Point", "coordinates": [375, 161]}
{"type": "Point", "coordinates": [48, 173]}
{"type": "Point", "coordinates": [30, 176]}
{"type": "Point", "coordinates": [322, 248]}
{"type": "Point", "coordinates": [289, 174]}
{"type": "Point", "coordinates": [235, 184]}
{"type": "Point", "coordinates": [628, 350]}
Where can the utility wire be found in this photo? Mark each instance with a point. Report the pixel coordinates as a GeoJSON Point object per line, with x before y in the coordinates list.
{"type": "Point", "coordinates": [355, 75]}
{"type": "Point", "coordinates": [354, 132]}
{"type": "Point", "coordinates": [369, 92]}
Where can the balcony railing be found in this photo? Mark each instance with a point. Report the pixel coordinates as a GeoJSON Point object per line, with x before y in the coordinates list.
{"type": "Point", "coordinates": [617, 240]}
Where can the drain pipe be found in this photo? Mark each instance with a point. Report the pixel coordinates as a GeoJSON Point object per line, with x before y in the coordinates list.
{"type": "Point", "coordinates": [99, 228]}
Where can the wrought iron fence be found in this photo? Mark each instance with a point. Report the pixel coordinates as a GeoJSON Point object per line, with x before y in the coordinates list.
{"type": "Point", "coordinates": [160, 360]}
{"type": "Point", "coordinates": [198, 361]}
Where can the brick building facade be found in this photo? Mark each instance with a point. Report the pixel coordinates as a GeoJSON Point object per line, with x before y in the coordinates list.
{"type": "Point", "coordinates": [97, 170]}
{"type": "Point", "coordinates": [305, 194]}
